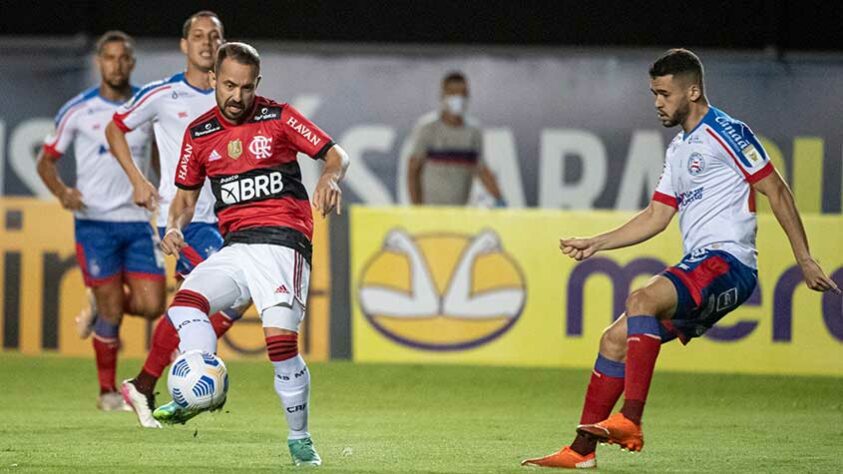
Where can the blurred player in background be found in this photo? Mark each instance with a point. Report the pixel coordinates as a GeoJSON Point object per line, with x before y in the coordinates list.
{"type": "Point", "coordinates": [712, 169]}
{"type": "Point", "coordinates": [115, 246]}
{"type": "Point", "coordinates": [448, 153]}
{"type": "Point", "coordinates": [170, 105]}
{"type": "Point", "coordinates": [246, 146]}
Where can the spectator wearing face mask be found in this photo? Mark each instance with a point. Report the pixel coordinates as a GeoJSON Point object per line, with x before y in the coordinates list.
{"type": "Point", "coordinates": [448, 153]}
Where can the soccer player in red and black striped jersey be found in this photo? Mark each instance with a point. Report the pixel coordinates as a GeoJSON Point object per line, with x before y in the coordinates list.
{"type": "Point", "coordinates": [247, 147]}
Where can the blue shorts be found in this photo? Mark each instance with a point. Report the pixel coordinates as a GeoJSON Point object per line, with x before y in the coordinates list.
{"type": "Point", "coordinates": [709, 285]}
{"type": "Point", "coordinates": [202, 241]}
{"type": "Point", "coordinates": [109, 250]}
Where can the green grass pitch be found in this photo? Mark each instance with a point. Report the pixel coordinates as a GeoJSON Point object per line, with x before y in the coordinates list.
{"type": "Point", "coordinates": [391, 418]}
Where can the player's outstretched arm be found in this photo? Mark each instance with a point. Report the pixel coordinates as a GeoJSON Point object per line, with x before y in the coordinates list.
{"type": "Point", "coordinates": [181, 213]}
{"type": "Point", "coordinates": [70, 198]}
{"type": "Point", "coordinates": [144, 194]}
{"type": "Point", "coordinates": [784, 208]}
{"type": "Point", "coordinates": [645, 225]}
{"type": "Point", "coordinates": [328, 195]}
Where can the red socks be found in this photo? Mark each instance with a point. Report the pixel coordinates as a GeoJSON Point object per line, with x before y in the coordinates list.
{"type": "Point", "coordinates": [604, 389]}
{"type": "Point", "coordinates": [282, 347]}
{"type": "Point", "coordinates": [106, 344]}
{"type": "Point", "coordinates": [643, 345]}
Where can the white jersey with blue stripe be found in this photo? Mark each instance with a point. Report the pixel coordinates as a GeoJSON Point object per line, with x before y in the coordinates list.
{"type": "Point", "coordinates": [170, 105]}
{"type": "Point", "coordinates": [105, 188]}
{"type": "Point", "coordinates": [708, 177]}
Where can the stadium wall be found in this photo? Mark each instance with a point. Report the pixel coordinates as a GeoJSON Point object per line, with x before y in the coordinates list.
{"type": "Point", "coordinates": [563, 129]}
{"type": "Point", "coordinates": [502, 293]}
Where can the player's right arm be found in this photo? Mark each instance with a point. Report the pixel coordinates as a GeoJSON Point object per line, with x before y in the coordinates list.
{"type": "Point", "coordinates": [70, 198]}
{"type": "Point", "coordinates": [643, 226]}
{"type": "Point", "coordinates": [55, 145]}
{"type": "Point", "coordinates": [414, 167]}
{"type": "Point", "coordinates": [141, 109]}
{"type": "Point", "coordinates": [144, 193]}
{"type": "Point", "coordinates": [181, 213]}
{"type": "Point", "coordinates": [190, 176]}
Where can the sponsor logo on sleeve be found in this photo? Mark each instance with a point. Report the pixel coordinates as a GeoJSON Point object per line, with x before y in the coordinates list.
{"type": "Point", "coordinates": [185, 158]}
{"type": "Point", "coordinates": [304, 131]}
{"type": "Point", "coordinates": [267, 113]}
{"type": "Point", "coordinates": [752, 154]}
{"type": "Point", "coordinates": [206, 128]}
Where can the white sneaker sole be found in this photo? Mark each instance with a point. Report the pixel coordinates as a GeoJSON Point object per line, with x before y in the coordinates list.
{"type": "Point", "coordinates": [137, 403]}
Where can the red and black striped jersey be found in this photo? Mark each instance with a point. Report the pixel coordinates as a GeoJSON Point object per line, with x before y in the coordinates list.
{"type": "Point", "coordinates": [253, 169]}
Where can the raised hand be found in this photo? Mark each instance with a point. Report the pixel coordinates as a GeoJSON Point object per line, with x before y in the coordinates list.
{"type": "Point", "coordinates": [579, 249]}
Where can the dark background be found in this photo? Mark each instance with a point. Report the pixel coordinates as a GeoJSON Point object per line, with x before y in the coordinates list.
{"type": "Point", "coordinates": [788, 25]}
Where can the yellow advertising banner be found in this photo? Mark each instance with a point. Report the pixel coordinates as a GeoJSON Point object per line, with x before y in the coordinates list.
{"type": "Point", "coordinates": [491, 287]}
{"type": "Point", "coordinates": [42, 291]}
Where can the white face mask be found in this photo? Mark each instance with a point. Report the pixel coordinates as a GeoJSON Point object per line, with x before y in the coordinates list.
{"type": "Point", "coordinates": [455, 104]}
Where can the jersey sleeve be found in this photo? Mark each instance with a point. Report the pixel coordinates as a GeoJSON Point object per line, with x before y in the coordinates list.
{"type": "Point", "coordinates": [141, 108]}
{"type": "Point", "coordinates": [742, 150]}
{"type": "Point", "coordinates": [56, 144]}
{"type": "Point", "coordinates": [664, 190]}
{"type": "Point", "coordinates": [303, 135]}
{"type": "Point", "coordinates": [190, 171]}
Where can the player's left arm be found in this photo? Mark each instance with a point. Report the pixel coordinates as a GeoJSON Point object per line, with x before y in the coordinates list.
{"type": "Point", "coordinates": [328, 195]}
{"type": "Point", "coordinates": [784, 208]}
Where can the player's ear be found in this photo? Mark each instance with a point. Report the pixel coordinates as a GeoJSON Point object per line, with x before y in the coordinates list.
{"type": "Point", "coordinates": [183, 45]}
{"type": "Point", "coordinates": [694, 92]}
{"type": "Point", "coordinates": [212, 79]}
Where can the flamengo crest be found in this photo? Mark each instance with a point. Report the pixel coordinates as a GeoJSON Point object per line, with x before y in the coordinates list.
{"type": "Point", "coordinates": [261, 147]}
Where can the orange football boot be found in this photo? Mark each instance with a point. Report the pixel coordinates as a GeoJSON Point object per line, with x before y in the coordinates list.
{"type": "Point", "coordinates": [617, 429]}
{"type": "Point", "coordinates": [565, 458]}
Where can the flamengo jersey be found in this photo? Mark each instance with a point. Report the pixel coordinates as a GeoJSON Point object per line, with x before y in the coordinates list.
{"type": "Point", "coordinates": [105, 188]}
{"type": "Point", "coordinates": [253, 169]}
{"type": "Point", "coordinates": [707, 176]}
{"type": "Point", "coordinates": [170, 105]}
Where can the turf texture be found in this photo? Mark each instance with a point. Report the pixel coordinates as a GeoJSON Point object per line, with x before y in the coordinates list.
{"type": "Point", "coordinates": [414, 418]}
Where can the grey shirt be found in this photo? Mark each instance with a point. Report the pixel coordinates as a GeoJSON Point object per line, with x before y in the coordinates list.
{"type": "Point", "coordinates": [451, 157]}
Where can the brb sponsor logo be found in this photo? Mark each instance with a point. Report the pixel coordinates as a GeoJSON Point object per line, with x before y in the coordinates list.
{"type": "Point", "coordinates": [442, 292]}
{"type": "Point", "coordinates": [235, 189]}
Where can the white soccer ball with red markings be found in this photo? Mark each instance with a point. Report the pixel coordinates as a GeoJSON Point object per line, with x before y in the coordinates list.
{"type": "Point", "coordinates": [198, 380]}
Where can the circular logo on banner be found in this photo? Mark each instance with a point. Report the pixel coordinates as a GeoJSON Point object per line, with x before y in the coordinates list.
{"type": "Point", "coordinates": [696, 164]}
{"type": "Point", "coordinates": [442, 292]}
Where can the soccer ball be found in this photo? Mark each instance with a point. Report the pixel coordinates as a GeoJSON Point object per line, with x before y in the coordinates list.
{"type": "Point", "coordinates": [198, 380]}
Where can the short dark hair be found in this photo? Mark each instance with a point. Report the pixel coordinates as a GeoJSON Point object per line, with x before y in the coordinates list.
{"type": "Point", "coordinates": [113, 36]}
{"type": "Point", "coordinates": [454, 76]}
{"type": "Point", "coordinates": [240, 52]}
{"type": "Point", "coordinates": [185, 29]}
{"type": "Point", "coordinates": [679, 62]}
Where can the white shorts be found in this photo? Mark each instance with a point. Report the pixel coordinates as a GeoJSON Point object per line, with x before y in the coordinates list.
{"type": "Point", "coordinates": [269, 275]}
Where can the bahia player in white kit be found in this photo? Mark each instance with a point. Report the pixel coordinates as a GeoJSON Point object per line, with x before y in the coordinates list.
{"type": "Point", "coordinates": [713, 167]}
{"type": "Point", "coordinates": [115, 247]}
{"type": "Point", "coordinates": [170, 105]}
